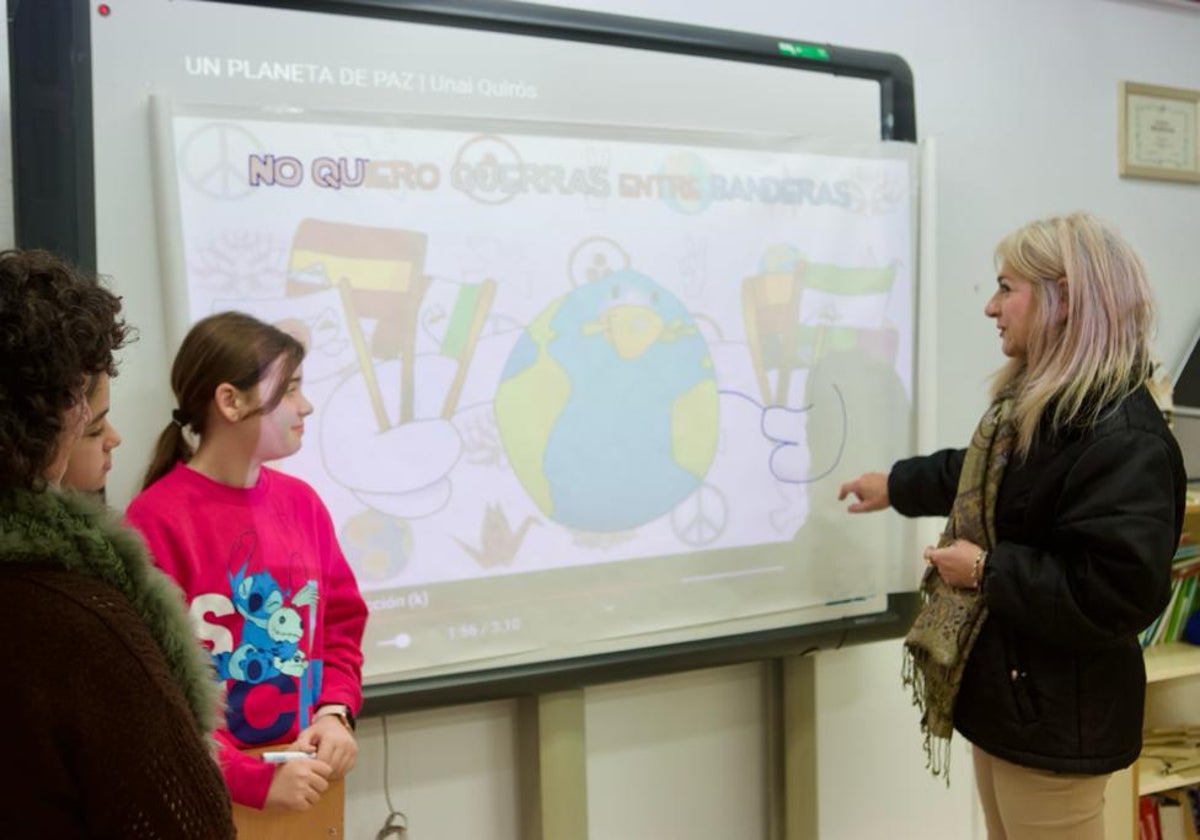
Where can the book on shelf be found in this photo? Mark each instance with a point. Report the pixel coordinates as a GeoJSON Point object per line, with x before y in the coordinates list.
{"type": "Point", "coordinates": [1185, 571]}
{"type": "Point", "coordinates": [1168, 626]}
{"type": "Point", "coordinates": [1149, 826]}
{"type": "Point", "coordinates": [1167, 816]}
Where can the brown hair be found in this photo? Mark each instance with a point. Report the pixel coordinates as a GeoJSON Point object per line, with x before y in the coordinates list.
{"type": "Point", "coordinates": [229, 347]}
{"type": "Point", "coordinates": [59, 329]}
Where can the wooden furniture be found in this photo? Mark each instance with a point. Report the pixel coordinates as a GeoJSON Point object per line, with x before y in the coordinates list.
{"type": "Point", "coordinates": [1172, 699]}
{"type": "Point", "coordinates": [324, 821]}
{"type": "Point", "coordinates": [1172, 690]}
{"type": "Point", "coordinates": [1176, 664]}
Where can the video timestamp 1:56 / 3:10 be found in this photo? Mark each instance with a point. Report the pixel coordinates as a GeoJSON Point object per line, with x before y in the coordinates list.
{"type": "Point", "coordinates": [480, 629]}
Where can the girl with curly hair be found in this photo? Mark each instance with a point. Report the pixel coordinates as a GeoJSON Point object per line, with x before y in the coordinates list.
{"type": "Point", "coordinates": [91, 457]}
{"type": "Point", "coordinates": [109, 702]}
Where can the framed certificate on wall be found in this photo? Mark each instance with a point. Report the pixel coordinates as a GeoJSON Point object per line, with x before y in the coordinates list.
{"type": "Point", "coordinates": [1158, 132]}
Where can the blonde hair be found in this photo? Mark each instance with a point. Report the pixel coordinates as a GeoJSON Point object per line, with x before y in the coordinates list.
{"type": "Point", "coordinates": [1100, 354]}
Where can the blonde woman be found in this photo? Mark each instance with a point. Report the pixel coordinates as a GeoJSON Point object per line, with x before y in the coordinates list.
{"type": "Point", "coordinates": [1064, 513]}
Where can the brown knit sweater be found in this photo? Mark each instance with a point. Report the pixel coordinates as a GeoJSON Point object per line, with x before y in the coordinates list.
{"type": "Point", "coordinates": [99, 738]}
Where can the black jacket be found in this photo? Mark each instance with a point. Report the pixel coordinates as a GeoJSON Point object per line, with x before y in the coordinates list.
{"type": "Point", "coordinates": [1086, 527]}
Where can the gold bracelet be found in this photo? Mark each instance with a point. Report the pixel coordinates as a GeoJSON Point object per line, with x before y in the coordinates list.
{"type": "Point", "coordinates": [977, 569]}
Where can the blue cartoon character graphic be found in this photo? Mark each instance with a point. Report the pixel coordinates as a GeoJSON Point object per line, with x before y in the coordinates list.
{"type": "Point", "coordinates": [271, 631]}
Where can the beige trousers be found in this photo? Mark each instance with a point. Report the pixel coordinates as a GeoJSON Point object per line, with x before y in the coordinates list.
{"type": "Point", "coordinates": [1020, 803]}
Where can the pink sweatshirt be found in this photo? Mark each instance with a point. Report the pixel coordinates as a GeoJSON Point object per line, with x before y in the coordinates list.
{"type": "Point", "coordinates": [273, 601]}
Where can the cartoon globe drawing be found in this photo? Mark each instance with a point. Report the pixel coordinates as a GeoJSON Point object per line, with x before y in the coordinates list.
{"type": "Point", "coordinates": [377, 546]}
{"type": "Point", "coordinates": [607, 406]}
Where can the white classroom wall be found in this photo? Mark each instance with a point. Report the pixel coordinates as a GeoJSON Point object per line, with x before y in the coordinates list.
{"type": "Point", "coordinates": [1021, 98]}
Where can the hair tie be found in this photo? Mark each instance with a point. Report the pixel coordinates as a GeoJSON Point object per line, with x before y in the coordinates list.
{"type": "Point", "coordinates": [179, 418]}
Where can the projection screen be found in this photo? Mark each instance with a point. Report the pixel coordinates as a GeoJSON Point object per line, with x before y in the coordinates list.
{"type": "Point", "coordinates": [599, 312]}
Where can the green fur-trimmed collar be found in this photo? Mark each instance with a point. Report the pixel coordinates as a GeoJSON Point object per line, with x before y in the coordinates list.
{"type": "Point", "coordinates": [80, 535]}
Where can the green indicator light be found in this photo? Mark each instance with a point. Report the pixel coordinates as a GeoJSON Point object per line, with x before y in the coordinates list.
{"type": "Point", "coordinates": [803, 51]}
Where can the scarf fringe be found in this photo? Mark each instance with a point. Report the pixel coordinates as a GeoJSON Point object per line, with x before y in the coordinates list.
{"type": "Point", "coordinates": [936, 747]}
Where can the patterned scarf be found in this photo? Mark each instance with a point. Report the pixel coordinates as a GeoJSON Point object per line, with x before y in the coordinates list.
{"type": "Point", "coordinates": [80, 535]}
{"type": "Point", "coordinates": [940, 640]}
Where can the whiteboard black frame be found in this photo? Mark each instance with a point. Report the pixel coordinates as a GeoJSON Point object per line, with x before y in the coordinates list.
{"type": "Point", "coordinates": [54, 207]}
{"type": "Point", "coordinates": [1189, 366]}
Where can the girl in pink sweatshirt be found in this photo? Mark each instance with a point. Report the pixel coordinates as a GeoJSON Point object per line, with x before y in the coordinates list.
{"type": "Point", "coordinates": [257, 557]}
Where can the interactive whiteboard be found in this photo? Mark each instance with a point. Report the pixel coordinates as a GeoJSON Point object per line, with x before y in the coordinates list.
{"type": "Point", "coordinates": [599, 312]}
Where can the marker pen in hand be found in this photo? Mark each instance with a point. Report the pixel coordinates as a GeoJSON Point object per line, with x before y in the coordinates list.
{"type": "Point", "coordinates": [280, 756]}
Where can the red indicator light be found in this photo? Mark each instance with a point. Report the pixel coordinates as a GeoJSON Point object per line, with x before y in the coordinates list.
{"type": "Point", "coordinates": [104, 9]}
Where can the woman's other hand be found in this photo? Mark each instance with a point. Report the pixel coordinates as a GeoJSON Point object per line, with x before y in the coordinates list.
{"type": "Point", "coordinates": [960, 564]}
{"type": "Point", "coordinates": [871, 491]}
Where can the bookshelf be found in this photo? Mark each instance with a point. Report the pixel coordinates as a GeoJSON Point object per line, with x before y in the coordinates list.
{"type": "Point", "coordinates": [1164, 664]}
{"type": "Point", "coordinates": [1150, 780]}
{"type": "Point", "coordinates": [1171, 661]}
{"type": "Point", "coordinates": [1172, 694]}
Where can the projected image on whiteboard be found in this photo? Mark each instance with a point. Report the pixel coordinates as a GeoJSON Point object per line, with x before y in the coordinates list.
{"type": "Point", "coordinates": [614, 367]}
